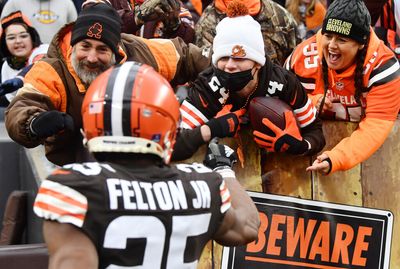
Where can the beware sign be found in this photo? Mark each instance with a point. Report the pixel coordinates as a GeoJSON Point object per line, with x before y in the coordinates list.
{"type": "Point", "coordinates": [297, 233]}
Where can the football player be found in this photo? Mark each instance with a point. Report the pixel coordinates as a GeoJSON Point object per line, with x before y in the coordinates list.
{"type": "Point", "coordinates": [132, 209]}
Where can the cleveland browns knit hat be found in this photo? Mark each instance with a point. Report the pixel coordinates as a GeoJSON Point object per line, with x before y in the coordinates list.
{"type": "Point", "coordinates": [349, 18]}
{"type": "Point", "coordinates": [99, 21]}
{"type": "Point", "coordinates": [238, 36]}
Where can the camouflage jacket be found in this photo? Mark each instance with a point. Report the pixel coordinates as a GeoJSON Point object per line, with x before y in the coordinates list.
{"type": "Point", "coordinates": [277, 25]}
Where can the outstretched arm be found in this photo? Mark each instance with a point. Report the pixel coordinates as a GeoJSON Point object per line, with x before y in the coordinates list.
{"type": "Point", "coordinates": [352, 150]}
{"type": "Point", "coordinates": [241, 221]}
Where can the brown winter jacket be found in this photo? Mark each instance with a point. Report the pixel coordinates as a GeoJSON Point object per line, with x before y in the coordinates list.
{"type": "Point", "coordinates": [52, 84]}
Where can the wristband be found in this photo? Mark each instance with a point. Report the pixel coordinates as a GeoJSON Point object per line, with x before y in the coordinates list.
{"type": "Point", "coordinates": [330, 164]}
{"type": "Point", "coordinates": [222, 168]}
{"type": "Point", "coordinates": [225, 172]}
{"type": "Point", "coordinates": [31, 131]}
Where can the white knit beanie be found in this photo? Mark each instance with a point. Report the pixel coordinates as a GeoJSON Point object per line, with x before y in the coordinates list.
{"type": "Point", "coordinates": [239, 37]}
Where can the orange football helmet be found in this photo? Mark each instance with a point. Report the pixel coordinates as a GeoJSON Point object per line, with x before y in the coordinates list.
{"type": "Point", "coordinates": [130, 108]}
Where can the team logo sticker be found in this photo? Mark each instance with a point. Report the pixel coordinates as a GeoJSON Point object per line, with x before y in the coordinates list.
{"type": "Point", "coordinates": [299, 234]}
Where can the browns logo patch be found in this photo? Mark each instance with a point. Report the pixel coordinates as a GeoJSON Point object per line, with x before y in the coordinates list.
{"type": "Point", "coordinates": [339, 85]}
{"type": "Point", "coordinates": [238, 51]}
{"type": "Point", "coordinates": [95, 31]}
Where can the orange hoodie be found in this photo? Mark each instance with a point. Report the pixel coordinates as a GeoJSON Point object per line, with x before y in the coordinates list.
{"type": "Point", "coordinates": [381, 102]}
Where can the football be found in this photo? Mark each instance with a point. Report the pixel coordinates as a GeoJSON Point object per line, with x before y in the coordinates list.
{"type": "Point", "coordinates": [270, 108]}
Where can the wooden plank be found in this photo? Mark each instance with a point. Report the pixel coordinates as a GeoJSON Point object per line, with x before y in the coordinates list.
{"type": "Point", "coordinates": [249, 172]}
{"type": "Point", "coordinates": [341, 187]}
{"type": "Point", "coordinates": [286, 174]}
{"type": "Point", "coordinates": [381, 185]}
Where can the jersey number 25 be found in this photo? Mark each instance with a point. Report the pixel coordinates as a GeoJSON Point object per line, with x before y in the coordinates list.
{"type": "Point", "coordinates": [153, 230]}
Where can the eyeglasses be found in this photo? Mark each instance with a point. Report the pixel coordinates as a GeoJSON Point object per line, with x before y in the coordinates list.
{"type": "Point", "coordinates": [12, 37]}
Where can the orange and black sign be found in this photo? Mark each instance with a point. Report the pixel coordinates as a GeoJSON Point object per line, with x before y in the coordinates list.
{"type": "Point", "coordinates": [297, 233]}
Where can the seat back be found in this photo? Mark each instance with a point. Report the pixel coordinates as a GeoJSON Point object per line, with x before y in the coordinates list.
{"type": "Point", "coordinates": [32, 256]}
{"type": "Point", "coordinates": [14, 219]}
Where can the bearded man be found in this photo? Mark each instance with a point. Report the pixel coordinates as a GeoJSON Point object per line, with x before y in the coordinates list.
{"type": "Point", "coordinates": [47, 109]}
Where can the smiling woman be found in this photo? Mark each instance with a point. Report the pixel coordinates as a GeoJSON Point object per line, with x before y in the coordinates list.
{"type": "Point", "coordinates": [351, 76]}
{"type": "Point", "coordinates": [17, 42]}
{"type": "Point", "coordinates": [339, 51]}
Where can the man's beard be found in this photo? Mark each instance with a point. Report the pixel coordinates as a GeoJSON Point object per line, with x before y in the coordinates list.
{"type": "Point", "coordinates": [85, 76]}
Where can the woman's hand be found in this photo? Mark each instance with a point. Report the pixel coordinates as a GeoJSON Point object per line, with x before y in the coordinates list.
{"type": "Point", "coordinates": [321, 164]}
{"type": "Point", "coordinates": [327, 104]}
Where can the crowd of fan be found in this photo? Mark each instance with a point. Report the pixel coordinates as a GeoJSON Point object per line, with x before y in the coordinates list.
{"type": "Point", "coordinates": [323, 58]}
{"type": "Point", "coordinates": [177, 39]}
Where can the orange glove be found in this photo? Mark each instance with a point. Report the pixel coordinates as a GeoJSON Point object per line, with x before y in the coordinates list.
{"type": "Point", "coordinates": [226, 123]}
{"type": "Point", "coordinates": [286, 140]}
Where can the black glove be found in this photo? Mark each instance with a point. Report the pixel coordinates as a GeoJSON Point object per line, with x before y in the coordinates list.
{"type": "Point", "coordinates": [226, 125]}
{"type": "Point", "coordinates": [219, 156]}
{"type": "Point", "coordinates": [11, 85]}
{"type": "Point", "coordinates": [50, 123]}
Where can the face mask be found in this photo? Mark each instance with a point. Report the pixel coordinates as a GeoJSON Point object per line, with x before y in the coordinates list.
{"type": "Point", "coordinates": [233, 81]}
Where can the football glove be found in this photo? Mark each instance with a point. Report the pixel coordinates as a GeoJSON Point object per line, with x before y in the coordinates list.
{"type": "Point", "coordinates": [286, 140]}
{"type": "Point", "coordinates": [226, 123]}
{"type": "Point", "coordinates": [219, 155]}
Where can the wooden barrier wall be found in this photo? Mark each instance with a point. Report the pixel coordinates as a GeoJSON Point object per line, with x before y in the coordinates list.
{"type": "Point", "coordinates": [374, 183]}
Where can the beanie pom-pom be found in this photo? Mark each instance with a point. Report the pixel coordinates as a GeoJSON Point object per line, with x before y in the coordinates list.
{"type": "Point", "coordinates": [236, 9]}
